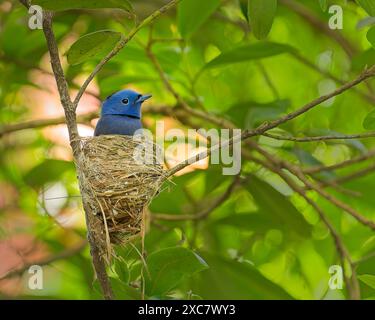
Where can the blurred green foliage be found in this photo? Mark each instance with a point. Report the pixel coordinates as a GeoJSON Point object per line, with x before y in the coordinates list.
{"type": "Point", "coordinates": [263, 242]}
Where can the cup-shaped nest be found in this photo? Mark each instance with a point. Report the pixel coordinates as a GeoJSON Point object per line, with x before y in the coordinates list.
{"type": "Point", "coordinates": [119, 177]}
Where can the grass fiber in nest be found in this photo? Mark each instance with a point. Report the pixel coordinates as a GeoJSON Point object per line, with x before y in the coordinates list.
{"type": "Point", "coordinates": [117, 187]}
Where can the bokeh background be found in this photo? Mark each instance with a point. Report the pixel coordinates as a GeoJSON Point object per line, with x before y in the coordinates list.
{"type": "Point", "coordinates": [41, 218]}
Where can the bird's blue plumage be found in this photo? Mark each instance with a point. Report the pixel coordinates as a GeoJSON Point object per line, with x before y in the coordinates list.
{"type": "Point", "coordinates": [116, 124]}
{"type": "Point", "coordinates": [121, 113]}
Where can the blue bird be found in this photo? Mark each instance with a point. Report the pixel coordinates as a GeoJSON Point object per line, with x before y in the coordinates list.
{"type": "Point", "coordinates": [121, 113]}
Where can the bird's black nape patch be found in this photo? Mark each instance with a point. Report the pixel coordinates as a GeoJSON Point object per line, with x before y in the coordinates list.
{"type": "Point", "coordinates": [110, 95]}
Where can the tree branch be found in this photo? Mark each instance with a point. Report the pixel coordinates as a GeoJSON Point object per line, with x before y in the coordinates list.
{"type": "Point", "coordinates": [74, 142]}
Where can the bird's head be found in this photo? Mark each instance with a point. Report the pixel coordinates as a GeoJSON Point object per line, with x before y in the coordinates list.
{"type": "Point", "coordinates": [124, 103]}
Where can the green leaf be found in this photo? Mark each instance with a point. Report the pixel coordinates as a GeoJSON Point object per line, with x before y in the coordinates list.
{"type": "Point", "coordinates": [167, 267]}
{"type": "Point", "coordinates": [308, 160]}
{"type": "Point", "coordinates": [366, 58]}
{"type": "Point", "coordinates": [250, 114]}
{"type": "Point", "coordinates": [368, 5]}
{"type": "Point", "coordinates": [371, 36]}
{"type": "Point", "coordinates": [277, 207]}
{"type": "Point", "coordinates": [368, 246]}
{"type": "Point", "coordinates": [249, 52]}
{"type": "Point", "coordinates": [48, 171]}
{"type": "Point", "coordinates": [365, 22]}
{"type": "Point", "coordinates": [368, 279]}
{"type": "Point", "coordinates": [123, 291]}
{"type": "Point", "coordinates": [243, 7]}
{"type": "Point", "coordinates": [369, 122]}
{"type": "Point", "coordinates": [122, 270]}
{"type": "Point", "coordinates": [193, 13]}
{"type": "Point", "coordinates": [27, 43]}
{"type": "Point", "coordinates": [92, 45]}
{"type": "Point", "coordinates": [323, 4]}
{"type": "Point", "coordinates": [175, 200]}
{"type": "Point", "coordinates": [119, 80]}
{"type": "Point", "coordinates": [255, 221]}
{"type": "Point", "coordinates": [213, 178]}
{"type": "Point", "coordinates": [61, 5]}
{"type": "Point", "coordinates": [261, 14]}
{"type": "Point", "coordinates": [230, 279]}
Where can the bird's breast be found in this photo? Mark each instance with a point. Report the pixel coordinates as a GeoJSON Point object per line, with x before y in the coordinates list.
{"type": "Point", "coordinates": [111, 124]}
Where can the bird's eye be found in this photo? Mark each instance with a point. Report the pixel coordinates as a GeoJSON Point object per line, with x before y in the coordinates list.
{"type": "Point", "coordinates": [125, 101]}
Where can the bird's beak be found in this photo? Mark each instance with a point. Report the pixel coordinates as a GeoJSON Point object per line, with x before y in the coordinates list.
{"type": "Point", "coordinates": [143, 98]}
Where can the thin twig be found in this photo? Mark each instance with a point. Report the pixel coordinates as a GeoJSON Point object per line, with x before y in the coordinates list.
{"type": "Point", "coordinates": [368, 97]}
{"type": "Point", "coordinates": [273, 124]}
{"type": "Point", "coordinates": [300, 175]}
{"type": "Point", "coordinates": [242, 24]}
{"type": "Point", "coordinates": [84, 118]}
{"type": "Point", "coordinates": [264, 127]}
{"type": "Point", "coordinates": [294, 170]}
{"type": "Point", "coordinates": [370, 154]}
{"type": "Point", "coordinates": [351, 282]}
{"type": "Point", "coordinates": [206, 211]}
{"type": "Point", "coordinates": [321, 138]}
{"type": "Point", "coordinates": [365, 258]}
{"type": "Point", "coordinates": [40, 123]}
{"type": "Point", "coordinates": [121, 44]}
{"type": "Point", "coordinates": [322, 26]}
{"type": "Point", "coordinates": [356, 174]}
{"type": "Point", "coordinates": [268, 80]}
{"type": "Point", "coordinates": [334, 185]}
